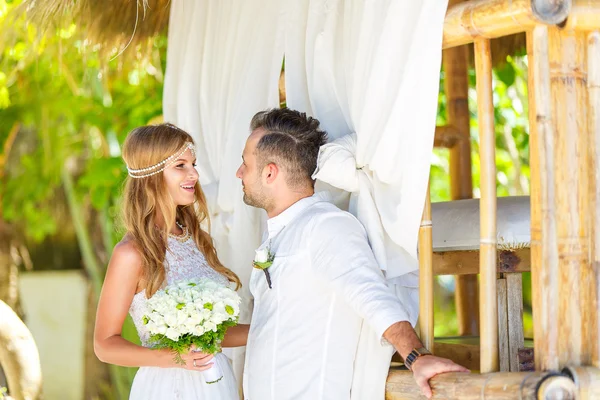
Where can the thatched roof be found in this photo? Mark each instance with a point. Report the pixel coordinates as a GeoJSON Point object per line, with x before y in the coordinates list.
{"type": "Point", "coordinates": [108, 22]}
{"type": "Point", "coordinates": [121, 23]}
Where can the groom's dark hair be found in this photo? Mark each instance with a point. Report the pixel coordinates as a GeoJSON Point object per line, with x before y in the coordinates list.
{"type": "Point", "coordinates": [292, 141]}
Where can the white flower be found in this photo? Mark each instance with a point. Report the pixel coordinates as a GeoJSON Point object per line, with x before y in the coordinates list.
{"type": "Point", "coordinates": [191, 307]}
{"type": "Point", "coordinates": [262, 255]}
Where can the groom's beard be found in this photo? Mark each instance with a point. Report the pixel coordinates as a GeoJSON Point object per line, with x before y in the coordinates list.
{"type": "Point", "coordinates": [257, 198]}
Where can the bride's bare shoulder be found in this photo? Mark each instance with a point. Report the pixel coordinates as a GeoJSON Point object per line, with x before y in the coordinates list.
{"type": "Point", "coordinates": [126, 253]}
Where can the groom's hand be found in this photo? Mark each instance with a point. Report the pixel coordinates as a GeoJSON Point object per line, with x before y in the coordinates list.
{"type": "Point", "coordinates": [426, 367]}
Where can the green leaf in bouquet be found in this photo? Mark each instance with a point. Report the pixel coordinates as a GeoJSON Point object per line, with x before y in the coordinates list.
{"type": "Point", "coordinates": [180, 306]}
{"type": "Point", "coordinates": [208, 306]}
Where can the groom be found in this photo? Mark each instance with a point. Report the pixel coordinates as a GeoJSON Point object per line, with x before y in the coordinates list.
{"type": "Point", "coordinates": [309, 304]}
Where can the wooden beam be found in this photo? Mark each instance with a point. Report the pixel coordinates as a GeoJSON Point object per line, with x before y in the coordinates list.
{"type": "Point", "coordinates": [495, 18]}
{"type": "Point", "coordinates": [467, 262]}
{"type": "Point", "coordinates": [497, 386]}
{"type": "Point", "coordinates": [426, 322]}
{"type": "Point", "coordinates": [488, 310]}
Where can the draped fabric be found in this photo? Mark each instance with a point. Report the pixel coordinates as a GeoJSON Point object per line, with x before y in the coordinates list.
{"type": "Point", "coordinates": [223, 65]}
{"type": "Point", "coordinates": [369, 71]}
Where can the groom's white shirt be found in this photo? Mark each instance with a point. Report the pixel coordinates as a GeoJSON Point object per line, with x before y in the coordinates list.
{"type": "Point", "coordinates": [305, 330]}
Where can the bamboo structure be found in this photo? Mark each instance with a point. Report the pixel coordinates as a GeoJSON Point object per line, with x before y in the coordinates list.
{"type": "Point", "coordinates": [593, 86]}
{"type": "Point", "coordinates": [543, 214]}
{"type": "Point", "coordinates": [488, 309]}
{"type": "Point", "coordinates": [498, 386]}
{"type": "Point", "coordinates": [566, 53]}
{"type": "Point", "coordinates": [495, 18]}
{"type": "Point", "coordinates": [455, 62]}
{"type": "Point", "coordinates": [426, 322]}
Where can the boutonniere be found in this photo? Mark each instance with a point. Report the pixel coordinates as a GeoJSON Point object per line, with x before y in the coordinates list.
{"type": "Point", "coordinates": [263, 260]}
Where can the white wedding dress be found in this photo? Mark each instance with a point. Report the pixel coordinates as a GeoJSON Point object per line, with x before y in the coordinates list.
{"type": "Point", "coordinates": [182, 261]}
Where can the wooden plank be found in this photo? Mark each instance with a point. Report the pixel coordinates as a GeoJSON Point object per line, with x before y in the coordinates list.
{"type": "Point", "coordinates": [503, 346]}
{"type": "Point", "coordinates": [466, 262]}
{"type": "Point", "coordinates": [514, 303]}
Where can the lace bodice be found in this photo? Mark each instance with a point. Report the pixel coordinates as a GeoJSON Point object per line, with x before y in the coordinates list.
{"type": "Point", "coordinates": [182, 261]}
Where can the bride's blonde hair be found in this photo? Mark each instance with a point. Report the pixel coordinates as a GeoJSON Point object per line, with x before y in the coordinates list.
{"type": "Point", "coordinates": [146, 201]}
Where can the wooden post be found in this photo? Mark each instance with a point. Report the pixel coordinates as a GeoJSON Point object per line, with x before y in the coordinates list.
{"type": "Point", "coordinates": [456, 82]}
{"type": "Point", "coordinates": [593, 86]}
{"type": "Point", "coordinates": [503, 345]}
{"type": "Point", "coordinates": [426, 322]}
{"type": "Point", "coordinates": [488, 310]}
{"type": "Point", "coordinates": [544, 255]}
{"type": "Point", "coordinates": [514, 303]}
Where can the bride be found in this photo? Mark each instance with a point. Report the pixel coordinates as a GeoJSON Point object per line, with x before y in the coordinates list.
{"type": "Point", "coordinates": [163, 209]}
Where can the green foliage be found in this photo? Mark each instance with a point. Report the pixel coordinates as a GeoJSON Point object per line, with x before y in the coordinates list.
{"type": "Point", "coordinates": [209, 342]}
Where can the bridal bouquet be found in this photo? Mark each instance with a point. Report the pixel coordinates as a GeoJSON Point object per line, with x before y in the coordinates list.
{"type": "Point", "coordinates": [192, 312]}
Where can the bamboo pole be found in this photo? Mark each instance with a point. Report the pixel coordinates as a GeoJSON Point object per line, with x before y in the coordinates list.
{"type": "Point", "coordinates": [544, 255]}
{"type": "Point", "coordinates": [495, 18]}
{"type": "Point", "coordinates": [496, 386]}
{"type": "Point", "coordinates": [447, 136]}
{"type": "Point", "coordinates": [488, 310]}
{"type": "Point", "coordinates": [426, 322]}
{"type": "Point", "coordinates": [568, 75]}
{"type": "Point", "coordinates": [593, 86]}
{"type": "Point", "coordinates": [456, 82]}
{"type": "Point", "coordinates": [584, 16]}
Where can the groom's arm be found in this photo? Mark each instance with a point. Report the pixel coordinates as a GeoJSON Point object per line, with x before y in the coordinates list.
{"type": "Point", "coordinates": [341, 255]}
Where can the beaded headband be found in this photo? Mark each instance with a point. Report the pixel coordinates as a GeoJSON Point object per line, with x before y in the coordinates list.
{"type": "Point", "coordinates": [156, 168]}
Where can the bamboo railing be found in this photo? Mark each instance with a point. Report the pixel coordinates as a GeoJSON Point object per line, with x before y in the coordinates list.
{"type": "Point", "coordinates": [497, 386]}
{"type": "Point", "coordinates": [564, 116]}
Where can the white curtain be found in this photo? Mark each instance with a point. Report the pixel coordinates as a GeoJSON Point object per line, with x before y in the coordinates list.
{"type": "Point", "coordinates": [369, 71]}
{"type": "Point", "coordinates": [223, 64]}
